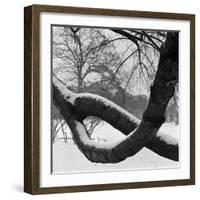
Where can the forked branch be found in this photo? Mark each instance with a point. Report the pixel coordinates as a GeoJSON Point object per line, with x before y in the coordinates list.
{"type": "Point", "coordinates": [76, 107]}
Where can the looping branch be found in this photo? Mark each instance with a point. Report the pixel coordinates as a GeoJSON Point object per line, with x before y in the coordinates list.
{"type": "Point", "coordinates": [76, 107]}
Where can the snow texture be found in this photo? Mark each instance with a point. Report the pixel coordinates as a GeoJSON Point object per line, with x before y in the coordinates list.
{"type": "Point", "coordinates": [67, 94]}
{"type": "Point", "coordinates": [110, 104]}
{"type": "Point", "coordinates": [84, 138]}
{"type": "Point", "coordinates": [71, 98]}
{"type": "Point", "coordinates": [168, 137]}
{"type": "Point", "coordinates": [67, 158]}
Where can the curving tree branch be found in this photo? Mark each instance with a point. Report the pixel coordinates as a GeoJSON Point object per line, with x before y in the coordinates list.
{"type": "Point", "coordinates": [76, 107]}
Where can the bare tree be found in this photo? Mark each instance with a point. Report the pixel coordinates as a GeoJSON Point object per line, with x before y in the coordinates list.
{"type": "Point", "coordinates": [84, 52]}
{"type": "Point", "coordinates": [145, 133]}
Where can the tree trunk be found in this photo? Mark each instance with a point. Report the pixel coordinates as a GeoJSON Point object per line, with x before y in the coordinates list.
{"type": "Point", "coordinates": [76, 107]}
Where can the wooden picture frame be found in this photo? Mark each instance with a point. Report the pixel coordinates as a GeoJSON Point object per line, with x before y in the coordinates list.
{"type": "Point", "coordinates": [32, 106]}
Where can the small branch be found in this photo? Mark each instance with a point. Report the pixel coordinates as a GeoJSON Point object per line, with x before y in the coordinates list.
{"type": "Point", "coordinates": [151, 40]}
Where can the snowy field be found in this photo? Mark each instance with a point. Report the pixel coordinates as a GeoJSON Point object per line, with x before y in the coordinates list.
{"type": "Point", "coordinates": [68, 159]}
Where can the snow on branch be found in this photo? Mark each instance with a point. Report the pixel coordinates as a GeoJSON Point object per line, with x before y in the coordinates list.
{"type": "Point", "coordinates": [76, 107]}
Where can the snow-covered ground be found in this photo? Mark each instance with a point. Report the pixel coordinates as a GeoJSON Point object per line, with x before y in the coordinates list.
{"type": "Point", "coordinates": [68, 159]}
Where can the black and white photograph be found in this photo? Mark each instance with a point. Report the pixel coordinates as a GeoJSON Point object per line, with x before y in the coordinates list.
{"type": "Point", "coordinates": [114, 99]}
{"type": "Point", "coordinates": [109, 99]}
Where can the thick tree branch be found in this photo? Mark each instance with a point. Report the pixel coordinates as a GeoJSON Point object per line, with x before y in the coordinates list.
{"type": "Point", "coordinates": [76, 107]}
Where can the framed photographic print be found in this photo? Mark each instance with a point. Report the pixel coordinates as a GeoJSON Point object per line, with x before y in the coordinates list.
{"type": "Point", "coordinates": [109, 99]}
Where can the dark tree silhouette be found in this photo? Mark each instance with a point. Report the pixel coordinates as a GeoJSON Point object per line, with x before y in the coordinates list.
{"type": "Point", "coordinates": [145, 133]}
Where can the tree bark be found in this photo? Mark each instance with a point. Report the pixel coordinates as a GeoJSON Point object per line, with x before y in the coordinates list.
{"type": "Point", "coordinates": [76, 107]}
